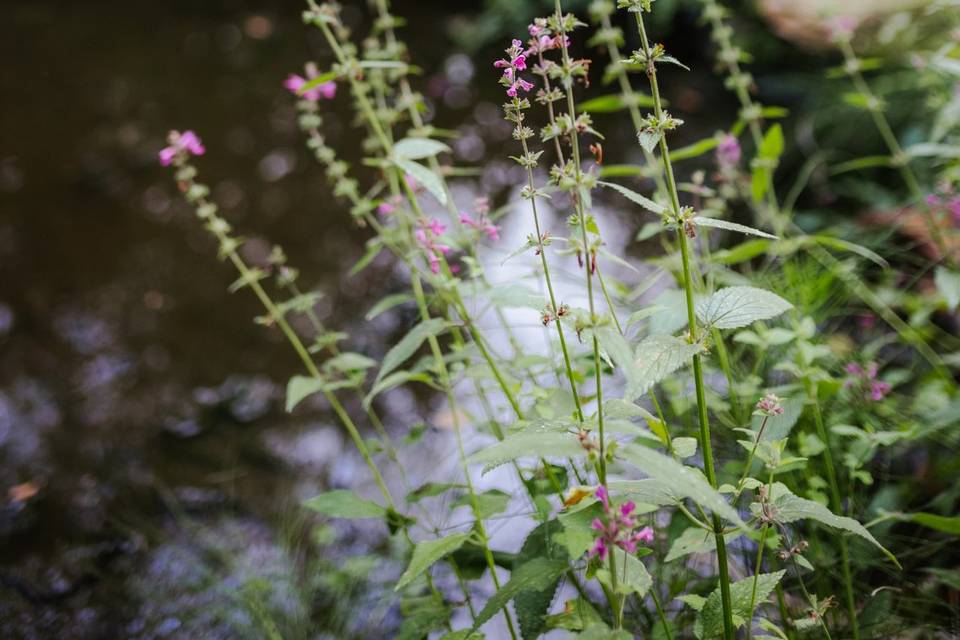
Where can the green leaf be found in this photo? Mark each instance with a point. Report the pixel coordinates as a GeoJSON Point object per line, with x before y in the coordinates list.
{"type": "Point", "coordinates": [684, 481]}
{"type": "Point", "coordinates": [735, 307]}
{"type": "Point", "coordinates": [643, 201]}
{"type": "Point", "coordinates": [425, 554]}
{"type": "Point", "coordinates": [684, 447]}
{"type": "Point", "coordinates": [649, 139]}
{"type": "Point", "coordinates": [632, 575]}
{"type": "Point", "coordinates": [424, 176]}
{"type": "Point", "coordinates": [299, 387]}
{"type": "Point", "coordinates": [490, 503]}
{"type": "Point", "coordinates": [530, 444]}
{"type": "Point", "coordinates": [578, 535]}
{"type": "Point", "coordinates": [654, 359]}
{"type": "Point", "coordinates": [694, 150]}
{"type": "Point", "coordinates": [622, 171]}
{"type": "Point", "coordinates": [843, 245]}
{"type": "Point", "coordinates": [418, 148]}
{"type": "Point", "coordinates": [349, 361]}
{"type": "Point", "coordinates": [868, 162]}
{"type": "Point", "coordinates": [696, 540]}
{"type": "Point", "coordinates": [463, 634]}
{"type": "Point", "coordinates": [536, 575]}
{"type": "Point", "coordinates": [387, 303]}
{"type": "Point", "coordinates": [791, 508]}
{"type": "Point", "coordinates": [948, 284]}
{"type": "Point", "coordinates": [613, 103]}
{"type": "Point", "coordinates": [710, 621]}
{"type": "Point", "coordinates": [345, 504]}
{"type": "Point", "coordinates": [531, 606]}
{"type": "Point", "coordinates": [716, 223]}
{"type": "Point", "coordinates": [395, 380]}
{"type": "Point", "coordinates": [772, 146]}
{"type": "Point", "coordinates": [741, 253]}
{"type": "Point", "coordinates": [409, 344]}
{"type": "Point", "coordinates": [313, 83]}
{"type": "Point", "coordinates": [944, 524]}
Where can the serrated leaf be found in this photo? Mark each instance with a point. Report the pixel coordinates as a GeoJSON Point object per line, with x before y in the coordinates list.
{"type": "Point", "coordinates": [430, 181]}
{"type": "Point", "coordinates": [649, 139]}
{"type": "Point", "coordinates": [717, 223]}
{"type": "Point", "coordinates": [300, 387]}
{"type": "Point", "coordinates": [710, 621]}
{"type": "Point", "coordinates": [463, 634]}
{"type": "Point", "coordinates": [736, 307]}
{"type": "Point", "coordinates": [418, 148]}
{"type": "Point", "coordinates": [654, 359]}
{"type": "Point", "coordinates": [394, 380]}
{"type": "Point", "coordinates": [684, 481]}
{"type": "Point", "coordinates": [535, 575]}
{"type": "Point", "coordinates": [531, 606]}
{"type": "Point", "coordinates": [409, 344]}
{"type": "Point", "coordinates": [577, 535]}
{"type": "Point", "coordinates": [791, 508]}
{"type": "Point", "coordinates": [643, 201]}
{"type": "Point", "coordinates": [425, 554]}
{"type": "Point", "coordinates": [345, 504]}
{"type": "Point", "coordinates": [490, 503]}
{"type": "Point", "coordinates": [528, 445]}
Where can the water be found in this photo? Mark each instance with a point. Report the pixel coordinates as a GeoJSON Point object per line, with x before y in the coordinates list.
{"type": "Point", "coordinates": [155, 478]}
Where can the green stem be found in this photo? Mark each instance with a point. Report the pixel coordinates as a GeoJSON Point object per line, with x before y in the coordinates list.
{"type": "Point", "coordinates": [836, 503]}
{"type": "Point", "coordinates": [705, 444]}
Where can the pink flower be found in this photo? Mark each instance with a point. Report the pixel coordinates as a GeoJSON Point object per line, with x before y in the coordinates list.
{"type": "Point", "coordinates": [770, 406]}
{"type": "Point", "coordinates": [617, 528]}
{"type": "Point", "coordinates": [489, 229]}
{"type": "Point", "coordinates": [295, 83]}
{"type": "Point", "coordinates": [182, 145]}
{"type": "Point", "coordinates": [436, 227]}
{"type": "Point", "coordinates": [842, 28]}
{"type": "Point", "coordinates": [426, 237]}
{"type": "Point", "coordinates": [954, 208]}
{"type": "Point", "coordinates": [933, 200]}
{"type": "Point", "coordinates": [864, 380]}
{"type": "Point", "coordinates": [728, 152]}
{"type": "Point", "coordinates": [515, 62]}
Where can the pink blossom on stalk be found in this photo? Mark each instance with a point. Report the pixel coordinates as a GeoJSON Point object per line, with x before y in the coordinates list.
{"type": "Point", "coordinates": [426, 237]}
{"type": "Point", "coordinates": [515, 61]}
{"type": "Point", "coordinates": [388, 207]}
{"type": "Point", "coordinates": [865, 380]}
{"type": "Point", "coordinates": [953, 206]}
{"type": "Point", "coordinates": [295, 83]}
{"type": "Point", "coordinates": [181, 143]}
{"type": "Point", "coordinates": [482, 225]}
{"type": "Point", "coordinates": [728, 152]}
{"type": "Point", "coordinates": [618, 527]}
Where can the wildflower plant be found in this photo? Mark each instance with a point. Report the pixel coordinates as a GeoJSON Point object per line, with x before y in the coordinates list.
{"type": "Point", "coordinates": [630, 443]}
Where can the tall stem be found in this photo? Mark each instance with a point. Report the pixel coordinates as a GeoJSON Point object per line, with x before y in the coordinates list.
{"type": "Point", "coordinates": [704, 420]}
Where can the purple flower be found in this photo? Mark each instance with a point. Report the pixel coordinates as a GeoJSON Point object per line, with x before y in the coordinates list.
{"type": "Point", "coordinates": [427, 236]}
{"type": "Point", "coordinates": [953, 206]}
{"type": "Point", "coordinates": [728, 152]}
{"type": "Point", "coordinates": [617, 528]}
{"type": "Point", "coordinates": [864, 380]}
{"type": "Point", "coordinates": [295, 83]}
{"type": "Point", "coordinates": [483, 225]}
{"type": "Point", "coordinates": [182, 145]}
{"type": "Point", "coordinates": [515, 61]}
{"type": "Point", "coordinates": [769, 405]}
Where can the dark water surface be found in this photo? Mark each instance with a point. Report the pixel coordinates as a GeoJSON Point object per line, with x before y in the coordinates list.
{"type": "Point", "coordinates": [154, 477]}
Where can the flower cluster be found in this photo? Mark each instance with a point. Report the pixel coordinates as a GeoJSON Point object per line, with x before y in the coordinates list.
{"type": "Point", "coordinates": [515, 62]}
{"type": "Point", "coordinates": [541, 38]}
{"type": "Point", "coordinates": [770, 405]}
{"type": "Point", "coordinates": [865, 379]}
{"type": "Point", "coordinates": [295, 83]}
{"type": "Point", "coordinates": [728, 152]}
{"type": "Point", "coordinates": [617, 528]}
{"type": "Point", "coordinates": [481, 223]}
{"type": "Point", "coordinates": [181, 146]}
{"type": "Point", "coordinates": [427, 235]}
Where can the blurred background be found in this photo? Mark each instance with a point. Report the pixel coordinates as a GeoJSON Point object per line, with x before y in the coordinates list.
{"type": "Point", "coordinates": [149, 479]}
